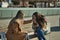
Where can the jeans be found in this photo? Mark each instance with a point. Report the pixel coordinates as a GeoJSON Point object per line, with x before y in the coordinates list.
{"type": "Point", "coordinates": [40, 34]}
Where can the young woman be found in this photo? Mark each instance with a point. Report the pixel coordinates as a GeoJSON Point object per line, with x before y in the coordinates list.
{"type": "Point", "coordinates": [38, 24]}
{"type": "Point", "coordinates": [15, 31]}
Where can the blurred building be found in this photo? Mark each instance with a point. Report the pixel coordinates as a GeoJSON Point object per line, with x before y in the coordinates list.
{"type": "Point", "coordinates": [33, 3]}
{"type": "Point", "coordinates": [38, 3]}
{"type": "Point", "coordinates": [45, 3]}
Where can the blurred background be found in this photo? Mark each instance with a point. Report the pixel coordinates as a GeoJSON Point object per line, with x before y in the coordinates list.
{"type": "Point", "coordinates": [30, 3]}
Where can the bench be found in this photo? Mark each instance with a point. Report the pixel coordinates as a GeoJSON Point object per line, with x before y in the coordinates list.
{"type": "Point", "coordinates": [3, 36]}
{"type": "Point", "coordinates": [32, 35]}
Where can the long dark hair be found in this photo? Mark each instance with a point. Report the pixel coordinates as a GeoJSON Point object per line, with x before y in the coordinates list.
{"type": "Point", "coordinates": [19, 14]}
{"type": "Point", "coordinates": [38, 19]}
{"type": "Point", "coordinates": [36, 15]}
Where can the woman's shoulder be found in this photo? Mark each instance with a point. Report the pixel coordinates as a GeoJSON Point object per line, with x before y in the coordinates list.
{"type": "Point", "coordinates": [18, 20]}
{"type": "Point", "coordinates": [13, 21]}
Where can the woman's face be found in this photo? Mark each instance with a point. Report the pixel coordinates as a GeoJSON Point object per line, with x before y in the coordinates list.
{"type": "Point", "coordinates": [21, 16]}
{"type": "Point", "coordinates": [33, 17]}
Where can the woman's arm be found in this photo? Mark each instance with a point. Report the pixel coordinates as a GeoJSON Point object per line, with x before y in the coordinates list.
{"type": "Point", "coordinates": [27, 21]}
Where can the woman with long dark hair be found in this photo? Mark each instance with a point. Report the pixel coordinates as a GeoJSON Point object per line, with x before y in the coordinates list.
{"type": "Point", "coordinates": [38, 24]}
{"type": "Point", "coordinates": [15, 31]}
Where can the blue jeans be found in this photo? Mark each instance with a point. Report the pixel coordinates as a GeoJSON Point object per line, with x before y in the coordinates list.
{"type": "Point", "coordinates": [40, 34]}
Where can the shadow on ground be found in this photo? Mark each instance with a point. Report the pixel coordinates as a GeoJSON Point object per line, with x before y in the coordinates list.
{"type": "Point", "coordinates": [55, 29]}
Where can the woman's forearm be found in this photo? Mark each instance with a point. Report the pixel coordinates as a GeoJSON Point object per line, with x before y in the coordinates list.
{"type": "Point", "coordinates": [27, 21]}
